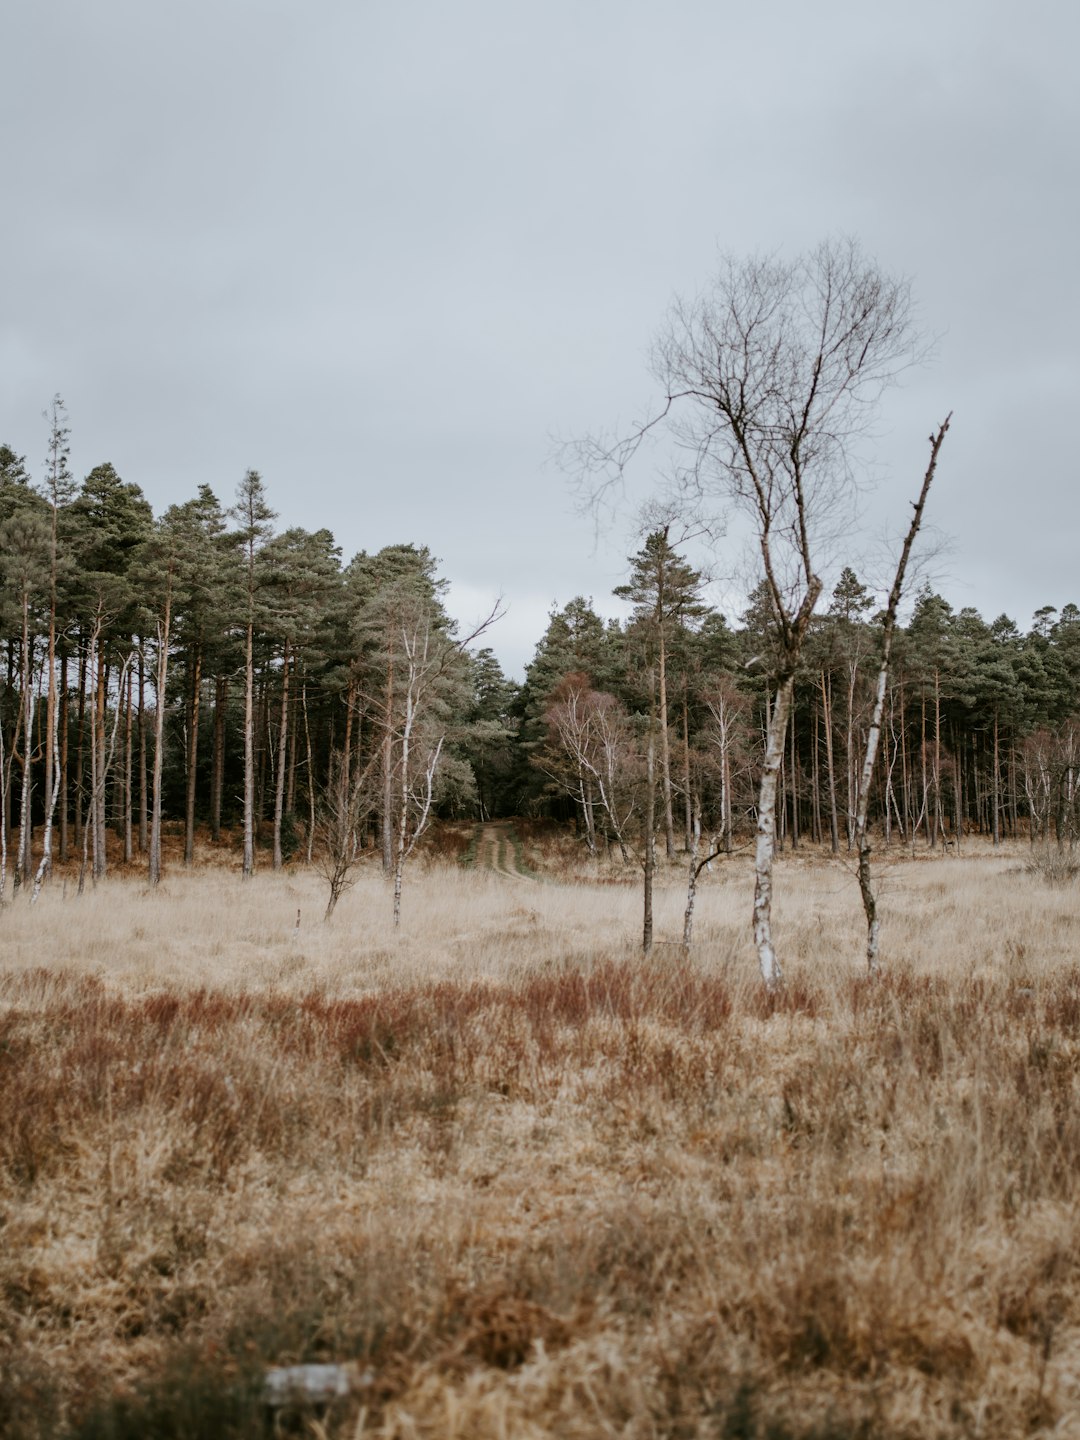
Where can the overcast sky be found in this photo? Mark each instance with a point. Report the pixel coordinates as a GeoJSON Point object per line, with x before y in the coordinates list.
{"type": "Point", "coordinates": [384, 252]}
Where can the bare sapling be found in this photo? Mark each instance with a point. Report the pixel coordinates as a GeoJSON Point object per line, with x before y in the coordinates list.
{"type": "Point", "coordinates": [696, 867]}
{"type": "Point", "coordinates": [873, 736]}
{"type": "Point", "coordinates": [44, 869]}
{"type": "Point", "coordinates": [591, 758]}
{"type": "Point", "coordinates": [427, 662]}
{"type": "Point", "coordinates": [342, 806]}
{"type": "Point", "coordinates": [101, 763]}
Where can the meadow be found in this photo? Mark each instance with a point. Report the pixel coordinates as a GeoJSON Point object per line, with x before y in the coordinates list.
{"type": "Point", "coordinates": [524, 1183]}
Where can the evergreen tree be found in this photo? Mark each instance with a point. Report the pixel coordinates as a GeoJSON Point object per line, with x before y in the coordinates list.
{"type": "Point", "coordinates": [254, 519]}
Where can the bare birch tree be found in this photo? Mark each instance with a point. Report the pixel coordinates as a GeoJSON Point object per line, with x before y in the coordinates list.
{"type": "Point", "coordinates": [429, 664]}
{"type": "Point", "coordinates": [888, 627]}
{"type": "Point", "coordinates": [770, 376]}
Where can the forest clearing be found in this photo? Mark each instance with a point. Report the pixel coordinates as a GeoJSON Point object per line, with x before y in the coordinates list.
{"type": "Point", "coordinates": [522, 1182]}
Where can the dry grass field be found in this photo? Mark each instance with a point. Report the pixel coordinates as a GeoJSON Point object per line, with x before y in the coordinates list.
{"type": "Point", "coordinates": [526, 1185]}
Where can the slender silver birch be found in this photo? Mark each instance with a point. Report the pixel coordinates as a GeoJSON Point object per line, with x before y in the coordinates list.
{"type": "Point", "coordinates": [888, 627]}
{"type": "Point", "coordinates": [164, 626]}
{"type": "Point", "coordinates": [44, 869]}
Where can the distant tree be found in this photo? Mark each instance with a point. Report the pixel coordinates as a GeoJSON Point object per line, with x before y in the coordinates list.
{"type": "Point", "coordinates": [110, 521]}
{"type": "Point", "coordinates": [254, 520]}
{"type": "Point", "coordinates": [591, 754]}
{"type": "Point", "coordinates": [59, 491]}
{"type": "Point", "coordinates": [301, 575]}
{"type": "Point", "coordinates": [24, 545]}
{"type": "Point", "coordinates": [489, 738]}
{"type": "Point", "coordinates": [665, 591]}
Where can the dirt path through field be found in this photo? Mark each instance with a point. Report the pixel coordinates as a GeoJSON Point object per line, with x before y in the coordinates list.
{"type": "Point", "coordinates": [496, 850]}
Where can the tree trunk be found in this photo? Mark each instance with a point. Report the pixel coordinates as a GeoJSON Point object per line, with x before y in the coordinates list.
{"type": "Point", "coordinates": [80, 746]}
{"type": "Point", "coordinates": [687, 797]}
{"type": "Point", "coordinates": [939, 809]}
{"type": "Point", "coordinates": [129, 770]}
{"type": "Point", "coordinates": [217, 775]}
{"type": "Point", "coordinates": [665, 754]}
{"type": "Point", "coordinates": [24, 855]}
{"type": "Point", "coordinates": [388, 774]}
{"type": "Point", "coordinates": [249, 752]}
{"type": "Point", "coordinates": [311, 773]}
{"type": "Point", "coordinates": [765, 850]}
{"type": "Point", "coordinates": [52, 728]}
{"type": "Point", "coordinates": [64, 709]}
{"type": "Point", "coordinates": [830, 772]}
{"type": "Point", "coordinates": [192, 753]}
{"type": "Point", "coordinates": [873, 734]}
{"type": "Point", "coordinates": [282, 758]}
{"type": "Point", "coordinates": [159, 737]}
{"type": "Point", "coordinates": [794, 786]}
{"type": "Point", "coordinates": [290, 783]}
{"type": "Point", "coordinates": [649, 864]}
{"type": "Point", "coordinates": [44, 870]}
{"type": "Point", "coordinates": [815, 780]}
{"type": "Point", "coordinates": [144, 840]}
{"type": "Point", "coordinates": [101, 859]}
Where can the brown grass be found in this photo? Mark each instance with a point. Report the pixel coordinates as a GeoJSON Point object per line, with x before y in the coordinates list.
{"type": "Point", "coordinates": [527, 1185]}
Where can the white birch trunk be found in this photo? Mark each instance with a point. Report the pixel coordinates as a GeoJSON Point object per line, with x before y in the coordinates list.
{"type": "Point", "coordinates": [159, 739]}
{"type": "Point", "coordinates": [862, 832]}
{"type": "Point", "coordinates": [765, 850]}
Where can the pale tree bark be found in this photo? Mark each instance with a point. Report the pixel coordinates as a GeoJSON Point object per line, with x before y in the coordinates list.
{"type": "Point", "coordinates": [58, 488]}
{"type": "Point", "coordinates": [163, 635]}
{"type": "Point", "coordinates": [665, 752]}
{"type": "Point", "coordinates": [591, 731]}
{"type": "Point", "coordinates": [24, 852]}
{"type": "Point", "coordinates": [65, 707]}
{"type": "Point", "coordinates": [830, 769]}
{"type": "Point", "coordinates": [387, 828]}
{"type": "Point", "coordinates": [995, 789]}
{"type": "Point", "coordinates": [346, 771]}
{"type": "Point", "coordinates": [129, 769]}
{"type": "Point", "coordinates": [862, 831]}
{"type": "Point", "coordinates": [217, 769]}
{"type": "Point", "coordinates": [282, 758]}
{"type": "Point", "coordinates": [98, 767]}
{"type": "Point", "coordinates": [726, 707]}
{"type": "Point", "coordinates": [765, 846]}
{"type": "Point", "coordinates": [688, 799]}
{"type": "Point", "coordinates": [44, 869]}
{"type": "Point", "coordinates": [80, 741]}
{"type": "Point", "coordinates": [426, 658]}
{"type": "Point", "coordinates": [100, 763]}
{"type": "Point", "coordinates": [249, 751]}
{"type": "Point", "coordinates": [649, 857]}
{"type": "Point", "coordinates": [144, 833]}
{"type": "Point", "coordinates": [192, 754]}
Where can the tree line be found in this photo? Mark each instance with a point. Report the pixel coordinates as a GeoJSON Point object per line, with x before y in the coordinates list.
{"type": "Point", "coordinates": [202, 667]}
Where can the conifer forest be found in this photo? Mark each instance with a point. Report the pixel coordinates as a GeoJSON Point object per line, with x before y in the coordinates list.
{"type": "Point", "coordinates": [204, 671]}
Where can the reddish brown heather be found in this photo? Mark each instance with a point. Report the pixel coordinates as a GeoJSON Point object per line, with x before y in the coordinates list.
{"type": "Point", "coordinates": [550, 1190]}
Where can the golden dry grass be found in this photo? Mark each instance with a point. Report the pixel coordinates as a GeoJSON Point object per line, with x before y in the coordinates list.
{"type": "Point", "coordinates": [525, 1183]}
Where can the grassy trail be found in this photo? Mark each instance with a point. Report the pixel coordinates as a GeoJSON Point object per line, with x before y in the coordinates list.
{"type": "Point", "coordinates": [497, 849]}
